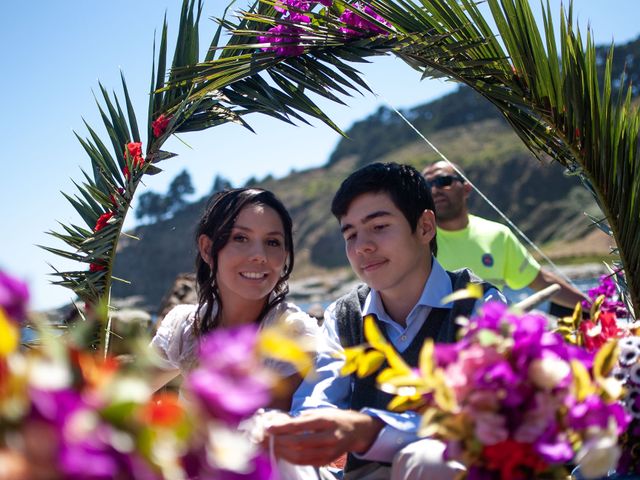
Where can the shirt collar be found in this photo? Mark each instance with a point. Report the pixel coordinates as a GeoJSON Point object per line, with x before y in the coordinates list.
{"type": "Point", "coordinates": [437, 286]}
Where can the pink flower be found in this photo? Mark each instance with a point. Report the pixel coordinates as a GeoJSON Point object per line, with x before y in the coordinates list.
{"type": "Point", "coordinates": [490, 428]}
{"type": "Point", "coordinates": [461, 374]}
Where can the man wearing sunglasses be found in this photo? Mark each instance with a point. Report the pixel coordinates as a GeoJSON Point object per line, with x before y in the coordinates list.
{"type": "Point", "coordinates": [488, 248]}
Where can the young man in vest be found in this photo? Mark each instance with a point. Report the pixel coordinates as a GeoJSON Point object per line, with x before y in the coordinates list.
{"type": "Point", "coordinates": [386, 216]}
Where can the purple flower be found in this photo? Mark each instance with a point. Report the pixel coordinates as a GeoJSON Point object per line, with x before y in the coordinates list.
{"type": "Point", "coordinates": [554, 447]}
{"type": "Point", "coordinates": [229, 382]}
{"type": "Point", "coordinates": [228, 397]}
{"type": "Point", "coordinates": [284, 5]}
{"type": "Point", "coordinates": [14, 296]}
{"type": "Point", "coordinates": [284, 39]}
{"type": "Point", "coordinates": [594, 412]}
{"type": "Point", "coordinates": [229, 347]}
{"type": "Point", "coordinates": [607, 287]}
{"type": "Point", "coordinates": [55, 406]}
{"type": "Point", "coordinates": [501, 379]}
{"type": "Point", "coordinates": [361, 25]}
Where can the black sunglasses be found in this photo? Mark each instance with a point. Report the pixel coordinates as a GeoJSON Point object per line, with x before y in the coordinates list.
{"type": "Point", "coordinates": [444, 181]}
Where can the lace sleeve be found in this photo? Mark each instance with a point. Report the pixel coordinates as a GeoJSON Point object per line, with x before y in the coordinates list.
{"type": "Point", "coordinates": [174, 337]}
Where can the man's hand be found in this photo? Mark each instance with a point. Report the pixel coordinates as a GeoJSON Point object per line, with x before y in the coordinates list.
{"type": "Point", "coordinates": [317, 437]}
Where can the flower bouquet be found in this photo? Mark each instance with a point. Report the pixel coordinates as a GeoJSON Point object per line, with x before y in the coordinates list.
{"type": "Point", "coordinates": [608, 320]}
{"type": "Point", "coordinates": [510, 399]}
{"type": "Point", "coordinates": [67, 411]}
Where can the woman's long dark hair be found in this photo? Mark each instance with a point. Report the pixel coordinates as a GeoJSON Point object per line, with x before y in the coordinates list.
{"type": "Point", "coordinates": [216, 223]}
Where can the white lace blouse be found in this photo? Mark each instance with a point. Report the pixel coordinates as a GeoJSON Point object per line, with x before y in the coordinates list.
{"type": "Point", "coordinates": [177, 344]}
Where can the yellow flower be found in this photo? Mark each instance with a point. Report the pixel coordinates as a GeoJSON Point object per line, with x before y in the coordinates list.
{"type": "Point", "coordinates": [9, 335]}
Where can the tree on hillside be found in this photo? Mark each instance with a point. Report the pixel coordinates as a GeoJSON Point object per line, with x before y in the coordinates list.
{"type": "Point", "coordinates": [151, 205]}
{"type": "Point", "coordinates": [155, 206]}
{"type": "Point", "coordinates": [220, 183]}
{"type": "Point", "coordinates": [180, 187]}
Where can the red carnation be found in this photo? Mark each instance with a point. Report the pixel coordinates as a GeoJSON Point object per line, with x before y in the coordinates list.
{"type": "Point", "coordinates": [126, 172]}
{"type": "Point", "coordinates": [103, 221]}
{"type": "Point", "coordinates": [134, 149]}
{"type": "Point", "coordinates": [159, 125]}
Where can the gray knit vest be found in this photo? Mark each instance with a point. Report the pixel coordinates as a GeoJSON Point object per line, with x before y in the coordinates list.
{"type": "Point", "coordinates": [440, 325]}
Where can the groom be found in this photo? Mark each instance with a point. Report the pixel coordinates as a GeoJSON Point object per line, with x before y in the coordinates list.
{"type": "Point", "coordinates": [386, 216]}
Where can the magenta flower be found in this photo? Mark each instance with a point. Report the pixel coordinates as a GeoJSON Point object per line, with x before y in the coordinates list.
{"type": "Point", "coordinates": [594, 412]}
{"type": "Point", "coordinates": [306, 5]}
{"type": "Point", "coordinates": [554, 446]}
{"type": "Point", "coordinates": [360, 27]}
{"type": "Point", "coordinates": [229, 383]}
{"type": "Point", "coordinates": [14, 297]}
{"type": "Point", "coordinates": [607, 287]}
{"type": "Point", "coordinates": [284, 39]}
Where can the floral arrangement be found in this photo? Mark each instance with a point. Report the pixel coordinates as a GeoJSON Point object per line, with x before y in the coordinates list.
{"type": "Point", "coordinates": [628, 372]}
{"type": "Point", "coordinates": [287, 39]}
{"type": "Point", "coordinates": [67, 412]}
{"type": "Point", "coordinates": [608, 320]}
{"type": "Point", "coordinates": [510, 399]}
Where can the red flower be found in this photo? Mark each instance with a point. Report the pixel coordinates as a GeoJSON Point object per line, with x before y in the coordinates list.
{"type": "Point", "coordinates": [163, 410]}
{"type": "Point", "coordinates": [609, 325]}
{"type": "Point", "coordinates": [103, 221]}
{"type": "Point", "coordinates": [159, 125]}
{"type": "Point", "coordinates": [513, 459]}
{"type": "Point", "coordinates": [96, 267]}
{"type": "Point", "coordinates": [138, 161]}
{"type": "Point", "coordinates": [608, 330]}
{"type": "Point", "coordinates": [134, 149]}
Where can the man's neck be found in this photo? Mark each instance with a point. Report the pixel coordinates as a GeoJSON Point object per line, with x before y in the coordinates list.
{"type": "Point", "coordinates": [399, 302]}
{"type": "Point", "coordinates": [458, 223]}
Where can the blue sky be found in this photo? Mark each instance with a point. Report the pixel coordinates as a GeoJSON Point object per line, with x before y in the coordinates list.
{"type": "Point", "coordinates": [54, 53]}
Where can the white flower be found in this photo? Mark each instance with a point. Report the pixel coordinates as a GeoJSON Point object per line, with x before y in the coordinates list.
{"type": "Point", "coordinates": [599, 453]}
{"type": "Point", "coordinates": [548, 372]}
{"type": "Point", "coordinates": [45, 374]}
{"type": "Point", "coordinates": [128, 389]}
{"type": "Point", "coordinates": [230, 450]}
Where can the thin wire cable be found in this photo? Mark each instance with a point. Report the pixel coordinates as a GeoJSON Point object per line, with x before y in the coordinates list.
{"type": "Point", "coordinates": [484, 197]}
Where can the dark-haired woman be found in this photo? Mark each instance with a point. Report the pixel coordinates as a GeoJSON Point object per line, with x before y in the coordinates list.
{"type": "Point", "coordinates": [245, 256]}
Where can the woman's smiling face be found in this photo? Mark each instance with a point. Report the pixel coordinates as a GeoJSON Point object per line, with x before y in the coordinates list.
{"type": "Point", "coordinates": [252, 261]}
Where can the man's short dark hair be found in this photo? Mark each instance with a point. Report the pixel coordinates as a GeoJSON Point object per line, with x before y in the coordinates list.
{"type": "Point", "coordinates": [404, 184]}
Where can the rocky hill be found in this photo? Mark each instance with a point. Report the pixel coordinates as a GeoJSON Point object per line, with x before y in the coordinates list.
{"type": "Point", "coordinates": [547, 205]}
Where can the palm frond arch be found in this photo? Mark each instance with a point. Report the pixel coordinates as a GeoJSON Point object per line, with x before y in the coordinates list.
{"type": "Point", "coordinates": [549, 94]}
